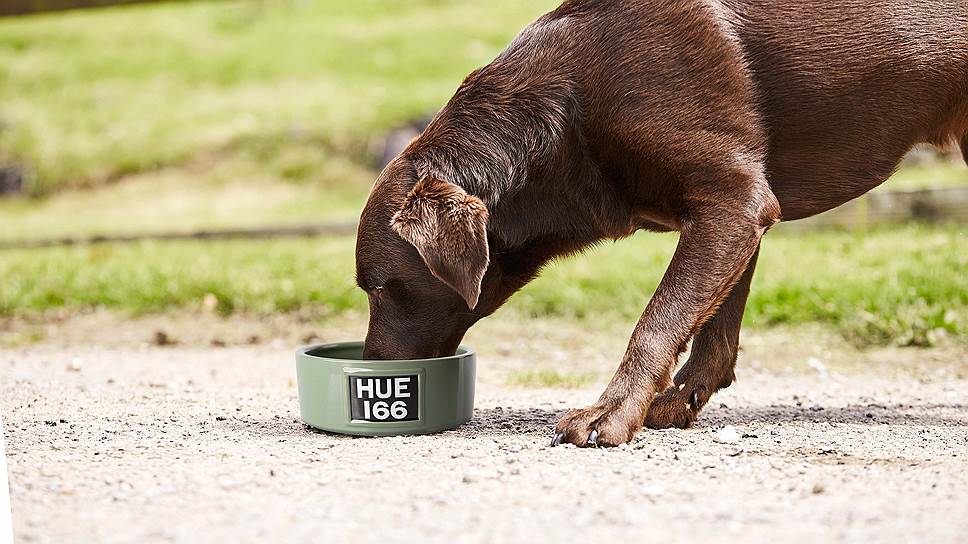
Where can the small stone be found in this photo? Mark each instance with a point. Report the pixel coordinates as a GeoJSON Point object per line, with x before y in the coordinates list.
{"type": "Point", "coordinates": [653, 490]}
{"type": "Point", "coordinates": [818, 488]}
{"type": "Point", "coordinates": [727, 435]}
{"type": "Point", "coordinates": [467, 479]}
{"type": "Point", "coordinates": [163, 339]}
{"type": "Point", "coordinates": [75, 364]}
{"type": "Point", "coordinates": [817, 365]}
{"type": "Point", "coordinates": [209, 302]}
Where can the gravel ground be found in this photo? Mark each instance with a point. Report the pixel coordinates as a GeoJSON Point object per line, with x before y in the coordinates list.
{"type": "Point", "coordinates": [141, 443]}
{"type": "Point", "coordinates": [6, 525]}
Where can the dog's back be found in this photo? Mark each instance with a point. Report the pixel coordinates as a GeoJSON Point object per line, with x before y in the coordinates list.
{"type": "Point", "coordinates": [841, 89]}
{"type": "Point", "coordinates": [848, 87]}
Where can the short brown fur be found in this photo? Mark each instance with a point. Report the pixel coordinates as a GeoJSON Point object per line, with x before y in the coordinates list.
{"type": "Point", "coordinates": [714, 118]}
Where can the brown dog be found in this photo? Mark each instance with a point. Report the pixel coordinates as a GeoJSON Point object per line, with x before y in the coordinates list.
{"type": "Point", "coordinates": [714, 118]}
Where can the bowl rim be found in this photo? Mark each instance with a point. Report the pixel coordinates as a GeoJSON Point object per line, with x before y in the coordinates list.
{"type": "Point", "coordinates": [305, 351]}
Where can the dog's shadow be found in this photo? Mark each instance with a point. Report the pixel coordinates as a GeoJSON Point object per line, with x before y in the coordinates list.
{"type": "Point", "coordinates": [501, 421]}
{"type": "Point", "coordinates": [929, 414]}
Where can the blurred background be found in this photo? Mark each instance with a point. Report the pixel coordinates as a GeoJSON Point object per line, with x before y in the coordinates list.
{"type": "Point", "coordinates": [196, 159]}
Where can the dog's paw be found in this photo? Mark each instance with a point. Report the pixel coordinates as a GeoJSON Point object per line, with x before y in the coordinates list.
{"type": "Point", "coordinates": [675, 408]}
{"type": "Point", "coordinates": [604, 423]}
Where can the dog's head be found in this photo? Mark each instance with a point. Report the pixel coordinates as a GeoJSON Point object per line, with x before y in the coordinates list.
{"type": "Point", "coordinates": [421, 256]}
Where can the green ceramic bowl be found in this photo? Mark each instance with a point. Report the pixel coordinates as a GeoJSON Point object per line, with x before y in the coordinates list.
{"type": "Point", "coordinates": [341, 392]}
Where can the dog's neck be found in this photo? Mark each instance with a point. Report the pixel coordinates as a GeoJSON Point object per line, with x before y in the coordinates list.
{"type": "Point", "coordinates": [496, 134]}
{"type": "Point", "coordinates": [518, 145]}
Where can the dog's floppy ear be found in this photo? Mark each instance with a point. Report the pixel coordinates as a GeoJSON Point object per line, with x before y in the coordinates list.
{"type": "Point", "coordinates": [449, 229]}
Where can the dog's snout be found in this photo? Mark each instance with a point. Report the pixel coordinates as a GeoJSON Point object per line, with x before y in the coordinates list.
{"type": "Point", "coordinates": [382, 344]}
{"type": "Point", "coordinates": [375, 351]}
{"type": "Point", "coordinates": [370, 353]}
{"type": "Point", "coordinates": [379, 347]}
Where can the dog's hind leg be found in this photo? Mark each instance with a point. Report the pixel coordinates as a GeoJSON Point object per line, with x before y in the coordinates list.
{"type": "Point", "coordinates": [964, 147]}
{"type": "Point", "coordinates": [710, 365]}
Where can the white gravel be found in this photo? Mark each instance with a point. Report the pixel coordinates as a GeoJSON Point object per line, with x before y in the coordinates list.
{"type": "Point", "coordinates": [6, 525]}
{"type": "Point", "coordinates": [192, 444]}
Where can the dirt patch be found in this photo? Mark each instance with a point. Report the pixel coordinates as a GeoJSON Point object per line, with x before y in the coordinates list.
{"type": "Point", "coordinates": [113, 438]}
{"type": "Point", "coordinates": [515, 343]}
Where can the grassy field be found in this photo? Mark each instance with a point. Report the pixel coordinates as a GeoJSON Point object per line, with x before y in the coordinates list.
{"type": "Point", "coordinates": [91, 96]}
{"type": "Point", "coordinates": [175, 117]}
{"type": "Point", "coordinates": [900, 285]}
{"type": "Point", "coordinates": [921, 176]}
{"type": "Point", "coordinates": [226, 114]}
{"type": "Point", "coordinates": [227, 194]}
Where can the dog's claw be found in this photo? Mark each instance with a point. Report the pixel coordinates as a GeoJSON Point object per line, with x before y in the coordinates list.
{"type": "Point", "coordinates": [593, 438]}
{"type": "Point", "coordinates": [557, 439]}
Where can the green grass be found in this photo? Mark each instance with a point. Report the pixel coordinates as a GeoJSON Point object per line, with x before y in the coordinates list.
{"type": "Point", "coordinates": [94, 96]}
{"type": "Point", "coordinates": [226, 194]}
{"type": "Point", "coordinates": [209, 115]}
{"type": "Point", "coordinates": [90, 96]}
{"type": "Point", "coordinates": [903, 285]}
{"type": "Point", "coordinates": [952, 173]}
{"type": "Point", "coordinates": [239, 191]}
{"type": "Point", "coordinates": [175, 117]}
{"type": "Point", "coordinates": [551, 379]}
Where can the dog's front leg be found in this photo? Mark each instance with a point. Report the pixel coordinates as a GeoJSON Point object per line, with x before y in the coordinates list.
{"type": "Point", "coordinates": [715, 246]}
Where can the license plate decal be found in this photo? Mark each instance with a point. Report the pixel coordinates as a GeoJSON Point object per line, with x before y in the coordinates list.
{"type": "Point", "coordinates": [384, 398]}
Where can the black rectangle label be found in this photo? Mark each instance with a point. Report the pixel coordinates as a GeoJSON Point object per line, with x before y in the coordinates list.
{"type": "Point", "coordinates": [384, 398]}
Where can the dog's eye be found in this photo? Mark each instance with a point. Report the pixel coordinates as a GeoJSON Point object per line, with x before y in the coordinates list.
{"type": "Point", "coordinates": [370, 289]}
